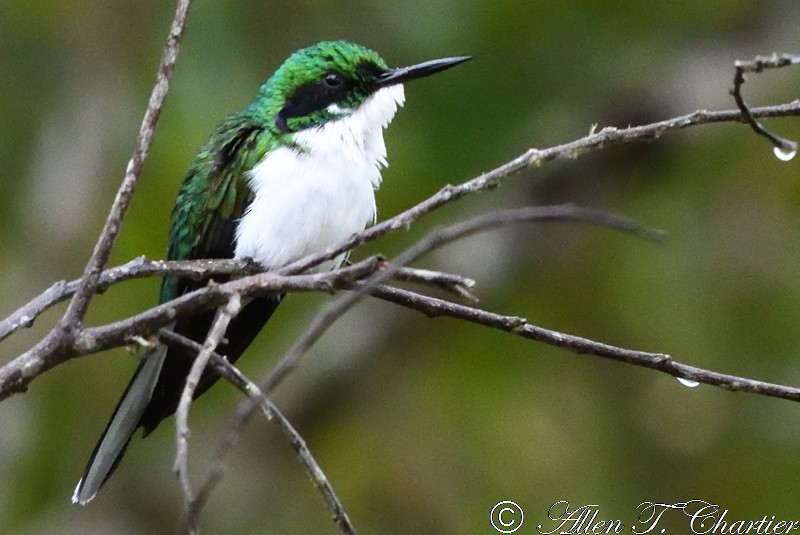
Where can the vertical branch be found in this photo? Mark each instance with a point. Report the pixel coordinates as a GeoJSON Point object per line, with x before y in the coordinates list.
{"type": "Point", "coordinates": [102, 250]}
{"type": "Point", "coordinates": [215, 335]}
{"type": "Point", "coordinates": [226, 370]}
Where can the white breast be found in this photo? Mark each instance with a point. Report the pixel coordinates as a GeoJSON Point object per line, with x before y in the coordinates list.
{"type": "Point", "coordinates": [305, 201]}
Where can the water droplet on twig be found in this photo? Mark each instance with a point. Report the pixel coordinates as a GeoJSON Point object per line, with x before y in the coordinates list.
{"type": "Point", "coordinates": [688, 382]}
{"type": "Point", "coordinates": [785, 154]}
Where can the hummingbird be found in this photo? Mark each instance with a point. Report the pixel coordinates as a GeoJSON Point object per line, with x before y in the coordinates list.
{"type": "Point", "coordinates": [291, 175]}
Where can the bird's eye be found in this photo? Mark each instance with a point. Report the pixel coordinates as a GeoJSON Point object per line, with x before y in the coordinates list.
{"type": "Point", "coordinates": [332, 79]}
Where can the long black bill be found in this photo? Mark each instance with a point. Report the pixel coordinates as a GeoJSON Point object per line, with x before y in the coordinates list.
{"type": "Point", "coordinates": [404, 74]}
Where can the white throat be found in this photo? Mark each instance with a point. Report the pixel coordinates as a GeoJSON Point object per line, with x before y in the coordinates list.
{"type": "Point", "coordinates": [306, 201]}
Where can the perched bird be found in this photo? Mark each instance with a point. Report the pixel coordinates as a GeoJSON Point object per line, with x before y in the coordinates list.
{"type": "Point", "coordinates": [292, 174]}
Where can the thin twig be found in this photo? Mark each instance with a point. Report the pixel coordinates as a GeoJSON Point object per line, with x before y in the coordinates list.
{"type": "Point", "coordinates": [80, 301]}
{"type": "Point", "coordinates": [215, 335]}
{"type": "Point", "coordinates": [433, 240]}
{"type": "Point", "coordinates": [141, 267]}
{"type": "Point", "coordinates": [232, 374]}
{"type": "Point", "coordinates": [455, 284]}
{"type": "Point", "coordinates": [606, 137]}
{"type": "Point", "coordinates": [433, 307]}
{"type": "Point", "coordinates": [785, 149]}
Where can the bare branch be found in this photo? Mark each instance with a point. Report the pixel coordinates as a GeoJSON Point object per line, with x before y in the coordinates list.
{"type": "Point", "coordinates": [229, 372]}
{"type": "Point", "coordinates": [215, 335]}
{"type": "Point", "coordinates": [54, 348]}
{"type": "Point", "coordinates": [137, 268]}
{"type": "Point", "coordinates": [210, 297]}
{"type": "Point", "coordinates": [17, 374]}
{"type": "Point", "coordinates": [433, 307]}
{"type": "Point", "coordinates": [80, 302]}
{"type": "Point", "coordinates": [141, 267]}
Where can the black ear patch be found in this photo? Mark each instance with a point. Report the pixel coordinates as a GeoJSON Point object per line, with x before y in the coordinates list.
{"type": "Point", "coordinates": [331, 88]}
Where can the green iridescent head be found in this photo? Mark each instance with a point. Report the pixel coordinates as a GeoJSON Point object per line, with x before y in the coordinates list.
{"type": "Point", "coordinates": [330, 80]}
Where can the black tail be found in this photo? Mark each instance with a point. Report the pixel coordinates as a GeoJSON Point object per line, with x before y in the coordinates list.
{"type": "Point", "coordinates": [240, 334]}
{"type": "Point", "coordinates": [154, 391]}
{"type": "Point", "coordinates": [117, 434]}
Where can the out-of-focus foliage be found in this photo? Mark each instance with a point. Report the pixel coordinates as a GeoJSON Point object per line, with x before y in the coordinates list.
{"type": "Point", "coordinates": [422, 425]}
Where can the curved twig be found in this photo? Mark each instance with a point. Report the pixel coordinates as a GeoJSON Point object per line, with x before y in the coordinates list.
{"type": "Point", "coordinates": [785, 149]}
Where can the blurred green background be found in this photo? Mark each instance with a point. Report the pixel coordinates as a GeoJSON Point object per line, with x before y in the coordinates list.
{"type": "Point", "coordinates": [422, 425]}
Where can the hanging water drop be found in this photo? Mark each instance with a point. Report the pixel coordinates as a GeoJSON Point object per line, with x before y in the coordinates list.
{"type": "Point", "coordinates": [786, 153]}
{"type": "Point", "coordinates": [688, 382]}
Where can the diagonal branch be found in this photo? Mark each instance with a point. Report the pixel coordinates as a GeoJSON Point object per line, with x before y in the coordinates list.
{"type": "Point", "coordinates": [199, 269]}
{"type": "Point", "coordinates": [17, 374]}
{"type": "Point", "coordinates": [516, 325]}
{"type": "Point", "coordinates": [80, 302]}
{"type": "Point", "coordinates": [604, 138]}
{"type": "Point", "coordinates": [433, 240]}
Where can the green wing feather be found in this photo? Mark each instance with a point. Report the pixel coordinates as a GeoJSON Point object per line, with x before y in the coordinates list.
{"type": "Point", "coordinates": [213, 196]}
